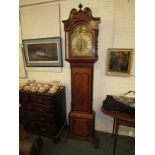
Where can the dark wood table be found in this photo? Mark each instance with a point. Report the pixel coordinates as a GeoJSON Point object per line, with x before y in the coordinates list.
{"type": "Point", "coordinates": [120, 118]}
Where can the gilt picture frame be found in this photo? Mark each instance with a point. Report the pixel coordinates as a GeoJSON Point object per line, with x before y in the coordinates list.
{"type": "Point", "coordinates": [22, 70]}
{"type": "Point", "coordinates": [43, 52]}
{"type": "Point", "coordinates": [119, 61]}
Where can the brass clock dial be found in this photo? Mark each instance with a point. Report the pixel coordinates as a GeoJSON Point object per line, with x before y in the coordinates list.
{"type": "Point", "coordinates": [81, 41]}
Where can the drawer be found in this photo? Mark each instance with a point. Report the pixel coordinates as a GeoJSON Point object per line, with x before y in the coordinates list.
{"type": "Point", "coordinates": [41, 99]}
{"type": "Point", "coordinates": [27, 107]}
{"type": "Point", "coordinates": [37, 117]}
{"type": "Point", "coordinates": [44, 109]}
{"type": "Point", "coordinates": [40, 129]}
{"type": "Point", "coordinates": [23, 98]}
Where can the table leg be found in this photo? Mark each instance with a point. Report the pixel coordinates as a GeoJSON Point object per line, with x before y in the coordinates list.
{"type": "Point", "coordinates": [115, 136]}
{"type": "Point", "coordinates": [114, 126]}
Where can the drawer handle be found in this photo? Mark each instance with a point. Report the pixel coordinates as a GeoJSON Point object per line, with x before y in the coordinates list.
{"type": "Point", "coordinates": [42, 119]}
{"type": "Point", "coordinates": [40, 101]}
{"type": "Point", "coordinates": [40, 110]}
{"type": "Point", "coordinates": [43, 129]}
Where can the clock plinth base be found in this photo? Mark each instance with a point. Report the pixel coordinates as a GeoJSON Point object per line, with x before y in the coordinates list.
{"type": "Point", "coordinates": [81, 125]}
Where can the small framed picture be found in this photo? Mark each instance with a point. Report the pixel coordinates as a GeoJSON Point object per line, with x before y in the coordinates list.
{"type": "Point", "coordinates": [43, 52]}
{"type": "Point", "coordinates": [22, 70]}
{"type": "Point", "coordinates": [119, 61]}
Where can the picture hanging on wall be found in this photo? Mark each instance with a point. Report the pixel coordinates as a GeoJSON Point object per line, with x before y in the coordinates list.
{"type": "Point", "coordinates": [119, 61]}
{"type": "Point", "coordinates": [22, 70]}
{"type": "Point", "coordinates": [43, 52]}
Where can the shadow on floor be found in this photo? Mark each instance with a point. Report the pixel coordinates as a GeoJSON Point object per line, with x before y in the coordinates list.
{"type": "Point", "coordinates": [103, 145]}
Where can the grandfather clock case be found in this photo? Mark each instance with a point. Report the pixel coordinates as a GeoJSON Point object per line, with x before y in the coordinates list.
{"type": "Point", "coordinates": [81, 33]}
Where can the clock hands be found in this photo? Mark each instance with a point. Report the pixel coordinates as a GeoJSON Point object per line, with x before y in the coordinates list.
{"type": "Point", "coordinates": [81, 42]}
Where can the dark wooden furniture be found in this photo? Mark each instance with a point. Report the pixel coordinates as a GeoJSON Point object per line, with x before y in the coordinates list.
{"type": "Point", "coordinates": [43, 113]}
{"type": "Point", "coordinates": [81, 33]}
{"type": "Point", "coordinates": [120, 118]}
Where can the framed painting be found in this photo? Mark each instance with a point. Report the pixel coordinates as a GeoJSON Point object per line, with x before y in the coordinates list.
{"type": "Point", "coordinates": [22, 71]}
{"type": "Point", "coordinates": [43, 52]}
{"type": "Point", "coordinates": [119, 61]}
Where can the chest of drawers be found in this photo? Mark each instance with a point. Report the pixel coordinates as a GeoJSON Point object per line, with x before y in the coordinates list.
{"type": "Point", "coordinates": [43, 113]}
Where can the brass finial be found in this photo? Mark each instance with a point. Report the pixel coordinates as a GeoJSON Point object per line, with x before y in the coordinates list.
{"type": "Point", "coordinates": [80, 6]}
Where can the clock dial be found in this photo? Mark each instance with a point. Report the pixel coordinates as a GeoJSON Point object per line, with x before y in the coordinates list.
{"type": "Point", "coordinates": [81, 41]}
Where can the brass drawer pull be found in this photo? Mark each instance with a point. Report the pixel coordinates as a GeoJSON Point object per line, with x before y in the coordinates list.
{"type": "Point", "coordinates": [40, 110]}
{"type": "Point", "coordinates": [42, 119]}
{"type": "Point", "coordinates": [43, 129]}
{"type": "Point", "coordinates": [40, 101]}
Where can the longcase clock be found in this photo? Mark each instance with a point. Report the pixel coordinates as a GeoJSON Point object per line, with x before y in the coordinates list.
{"type": "Point", "coordinates": [81, 33]}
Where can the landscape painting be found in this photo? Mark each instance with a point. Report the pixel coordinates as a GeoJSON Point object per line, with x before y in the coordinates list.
{"type": "Point", "coordinates": [44, 52]}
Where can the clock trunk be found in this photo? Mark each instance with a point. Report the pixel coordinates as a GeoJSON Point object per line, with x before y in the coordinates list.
{"type": "Point", "coordinates": [82, 80]}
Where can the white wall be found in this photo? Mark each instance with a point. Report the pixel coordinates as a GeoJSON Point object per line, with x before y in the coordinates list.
{"type": "Point", "coordinates": [115, 31]}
